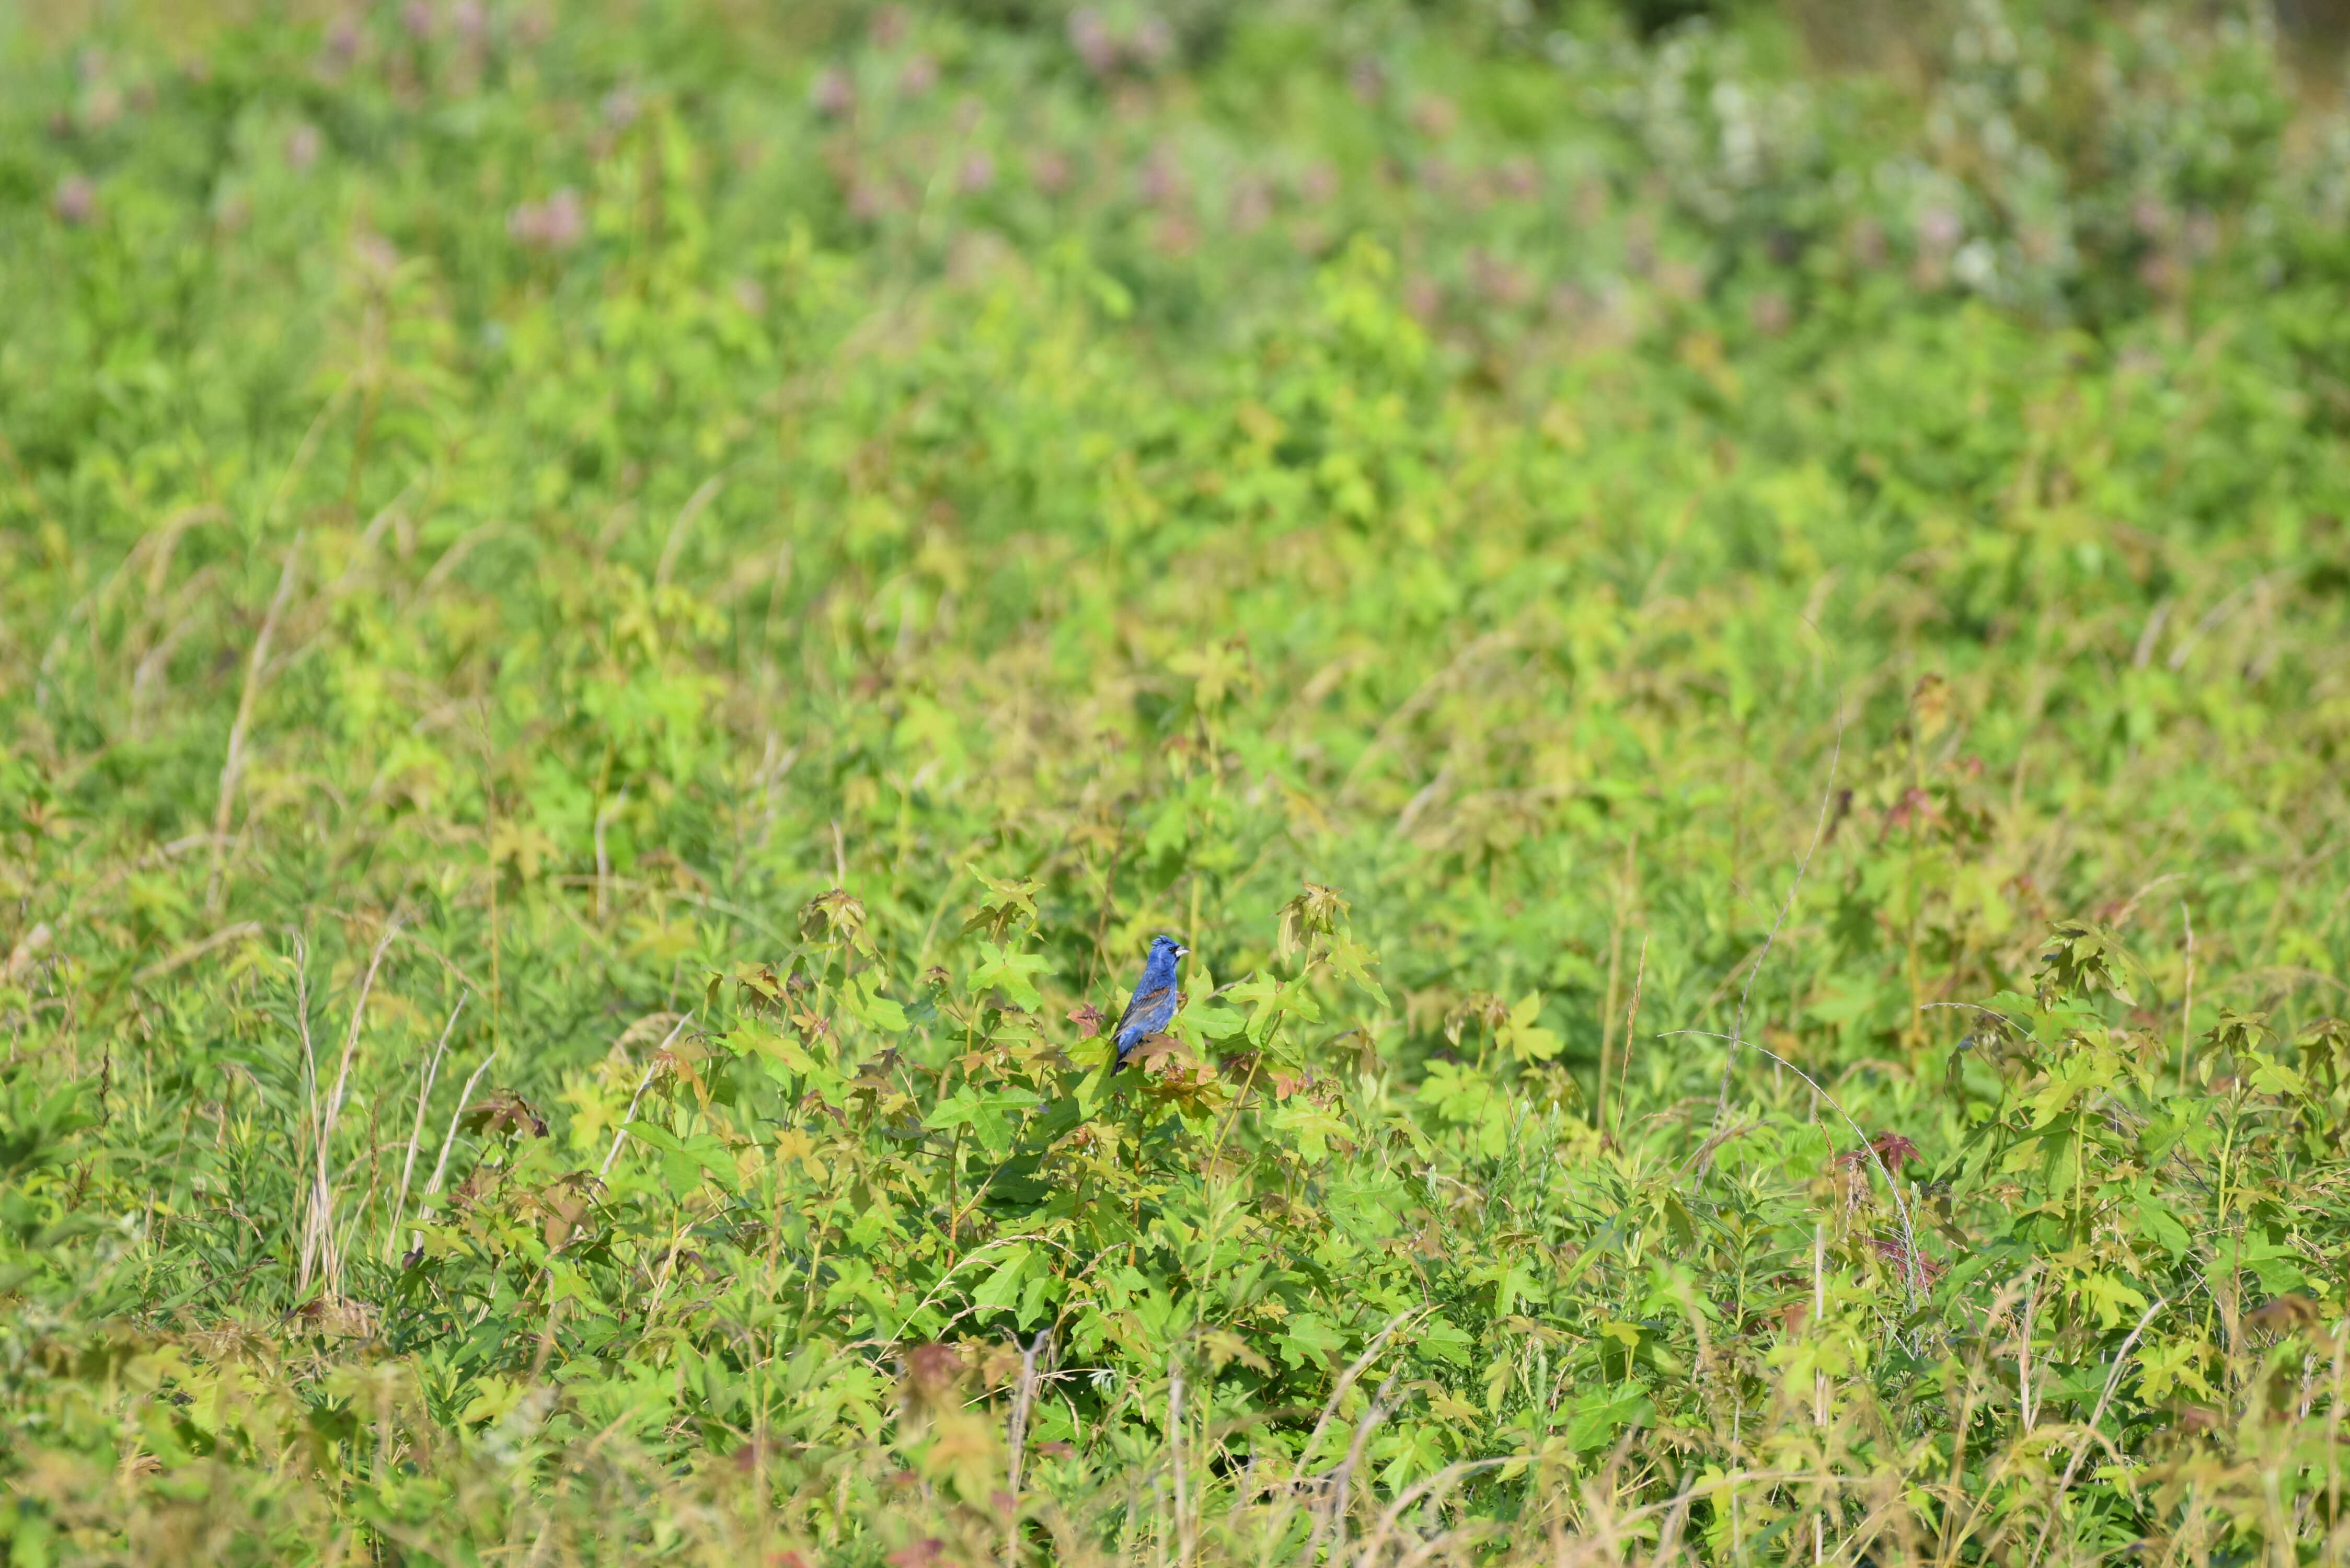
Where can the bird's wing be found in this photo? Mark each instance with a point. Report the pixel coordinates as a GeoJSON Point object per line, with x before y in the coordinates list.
{"type": "Point", "coordinates": [1142, 1005]}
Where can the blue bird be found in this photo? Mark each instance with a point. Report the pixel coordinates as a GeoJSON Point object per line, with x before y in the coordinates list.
{"type": "Point", "coordinates": [1152, 1006]}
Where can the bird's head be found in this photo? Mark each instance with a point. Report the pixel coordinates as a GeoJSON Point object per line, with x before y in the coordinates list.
{"type": "Point", "coordinates": [1165, 949]}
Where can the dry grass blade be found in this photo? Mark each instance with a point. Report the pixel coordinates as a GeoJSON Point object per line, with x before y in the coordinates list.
{"type": "Point", "coordinates": [704, 494]}
{"type": "Point", "coordinates": [1016, 1442]}
{"type": "Point", "coordinates": [652, 1066]}
{"type": "Point", "coordinates": [416, 1131]}
{"type": "Point", "coordinates": [1347, 1380]}
{"type": "Point", "coordinates": [2092, 1436]}
{"type": "Point", "coordinates": [187, 955]}
{"type": "Point", "coordinates": [449, 1141]}
{"type": "Point", "coordinates": [321, 1259]}
{"type": "Point", "coordinates": [1913, 1270]}
{"type": "Point", "coordinates": [233, 765]}
{"type": "Point", "coordinates": [1177, 1463]}
{"type": "Point", "coordinates": [1434, 1490]}
{"type": "Point", "coordinates": [1338, 1488]}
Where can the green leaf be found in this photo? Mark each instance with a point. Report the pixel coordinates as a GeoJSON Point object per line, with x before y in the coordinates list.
{"type": "Point", "coordinates": [871, 1008]}
{"type": "Point", "coordinates": [1012, 972]}
{"type": "Point", "coordinates": [1309, 1340]}
{"type": "Point", "coordinates": [1000, 1289]}
{"type": "Point", "coordinates": [1310, 1129]}
{"type": "Point", "coordinates": [1526, 1039]}
{"type": "Point", "coordinates": [1600, 1417]}
{"type": "Point", "coordinates": [2157, 1223]}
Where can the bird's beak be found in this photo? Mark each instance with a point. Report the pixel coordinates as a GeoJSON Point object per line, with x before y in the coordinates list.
{"type": "Point", "coordinates": [1181, 952]}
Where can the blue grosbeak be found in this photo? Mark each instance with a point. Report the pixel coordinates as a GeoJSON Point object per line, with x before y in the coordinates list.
{"type": "Point", "coordinates": [1152, 1007]}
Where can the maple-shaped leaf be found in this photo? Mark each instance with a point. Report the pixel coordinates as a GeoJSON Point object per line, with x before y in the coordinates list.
{"type": "Point", "coordinates": [504, 1113]}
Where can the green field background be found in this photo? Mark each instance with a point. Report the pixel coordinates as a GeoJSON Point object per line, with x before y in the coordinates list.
{"type": "Point", "coordinates": [1724, 629]}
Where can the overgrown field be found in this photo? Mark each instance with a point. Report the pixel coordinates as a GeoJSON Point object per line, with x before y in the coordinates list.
{"type": "Point", "coordinates": [619, 622]}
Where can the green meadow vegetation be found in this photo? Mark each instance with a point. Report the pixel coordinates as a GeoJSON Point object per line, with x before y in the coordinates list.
{"type": "Point", "coordinates": [1728, 633]}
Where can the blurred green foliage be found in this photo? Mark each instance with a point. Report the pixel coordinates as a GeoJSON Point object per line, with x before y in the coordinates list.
{"type": "Point", "coordinates": [618, 623]}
